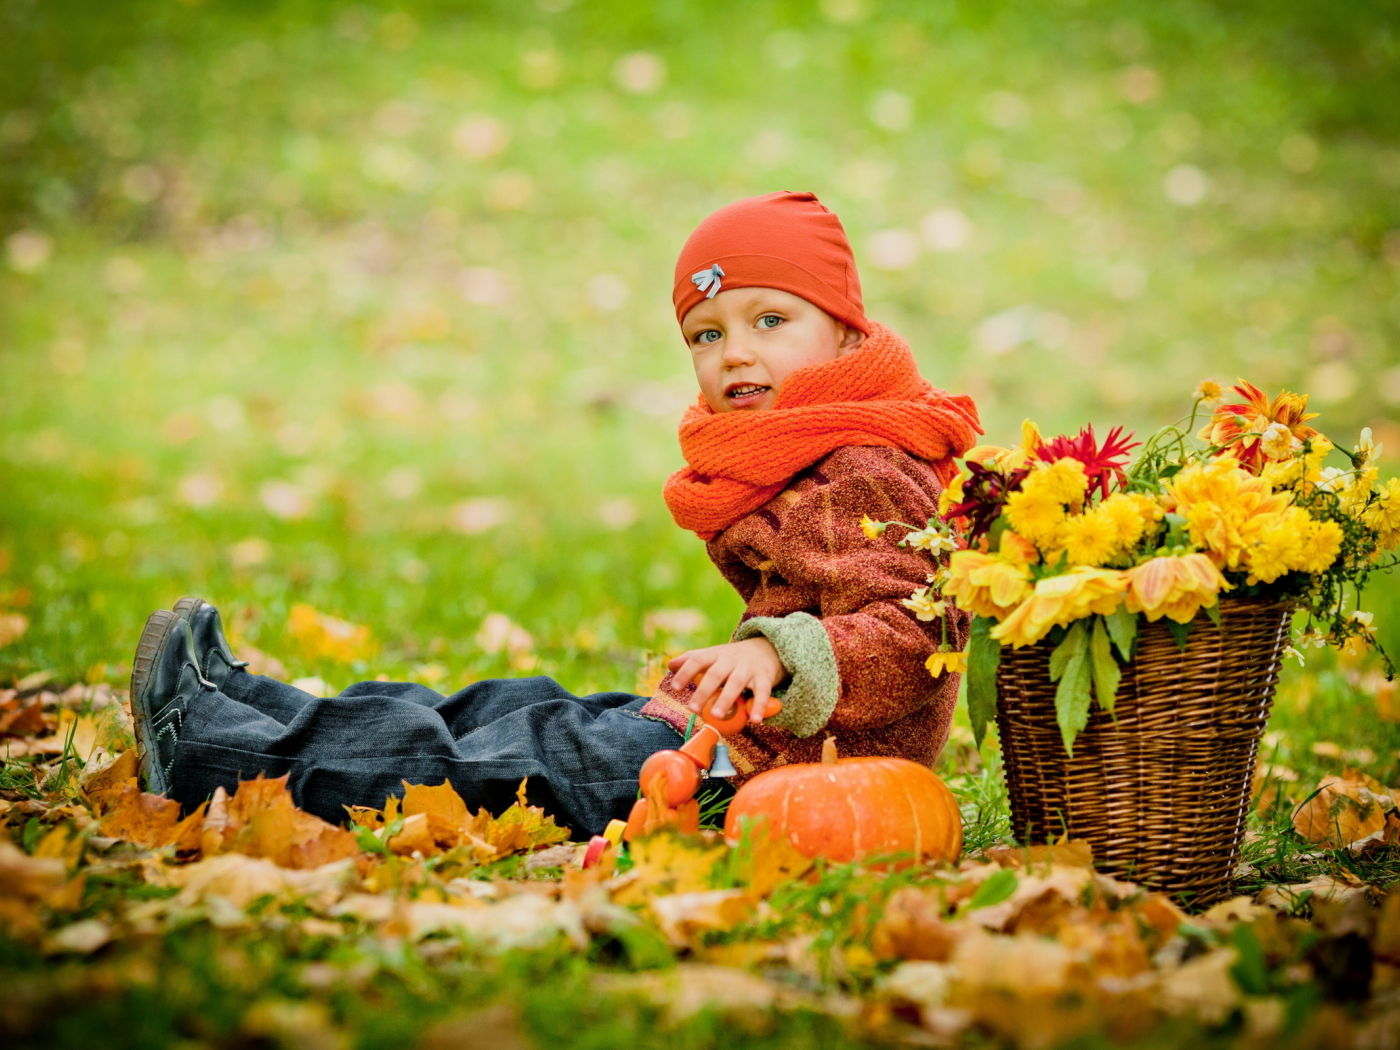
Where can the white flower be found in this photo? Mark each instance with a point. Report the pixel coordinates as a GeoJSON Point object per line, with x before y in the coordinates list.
{"type": "Point", "coordinates": [1368, 449]}
{"type": "Point", "coordinates": [925, 608]}
{"type": "Point", "coordinates": [932, 540]}
{"type": "Point", "coordinates": [1277, 441]}
{"type": "Point", "coordinates": [1331, 479]}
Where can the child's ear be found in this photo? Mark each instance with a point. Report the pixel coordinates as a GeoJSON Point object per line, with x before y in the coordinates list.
{"type": "Point", "coordinates": [851, 340]}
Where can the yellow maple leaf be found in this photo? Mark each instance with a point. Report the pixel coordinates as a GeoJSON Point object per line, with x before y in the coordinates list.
{"type": "Point", "coordinates": [667, 862]}
{"type": "Point", "coordinates": [325, 637]}
{"type": "Point", "coordinates": [261, 820]}
{"type": "Point", "coordinates": [1344, 810]}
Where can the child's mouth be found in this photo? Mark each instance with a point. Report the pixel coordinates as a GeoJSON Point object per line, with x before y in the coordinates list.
{"type": "Point", "coordinates": [741, 394]}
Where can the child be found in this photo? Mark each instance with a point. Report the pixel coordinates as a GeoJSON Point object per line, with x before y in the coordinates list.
{"type": "Point", "coordinates": [810, 416]}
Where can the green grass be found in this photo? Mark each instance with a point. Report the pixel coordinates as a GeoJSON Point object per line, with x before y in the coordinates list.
{"type": "Point", "coordinates": [278, 280]}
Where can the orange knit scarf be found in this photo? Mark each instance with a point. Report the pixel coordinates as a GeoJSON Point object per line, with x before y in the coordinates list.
{"type": "Point", "coordinates": [738, 461]}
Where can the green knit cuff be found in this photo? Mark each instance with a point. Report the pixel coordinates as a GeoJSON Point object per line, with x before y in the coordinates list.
{"type": "Point", "coordinates": [805, 650]}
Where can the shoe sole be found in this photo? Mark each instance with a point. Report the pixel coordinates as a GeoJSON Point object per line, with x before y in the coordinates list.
{"type": "Point", "coordinates": [185, 608]}
{"type": "Point", "coordinates": [154, 638]}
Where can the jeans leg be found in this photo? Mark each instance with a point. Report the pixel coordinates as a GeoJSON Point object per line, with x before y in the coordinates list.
{"type": "Point", "coordinates": [279, 700]}
{"type": "Point", "coordinates": [582, 755]}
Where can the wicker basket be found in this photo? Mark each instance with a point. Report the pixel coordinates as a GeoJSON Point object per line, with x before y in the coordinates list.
{"type": "Point", "coordinates": [1161, 795]}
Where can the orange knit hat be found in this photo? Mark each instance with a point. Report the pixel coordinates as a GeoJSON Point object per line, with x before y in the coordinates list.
{"type": "Point", "coordinates": [787, 241]}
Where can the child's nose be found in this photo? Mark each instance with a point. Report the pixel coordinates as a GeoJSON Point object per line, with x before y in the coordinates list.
{"type": "Point", "coordinates": [737, 351]}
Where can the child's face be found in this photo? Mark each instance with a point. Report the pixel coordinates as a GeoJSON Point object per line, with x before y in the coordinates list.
{"type": "Point", "coordinates": [746, 341]}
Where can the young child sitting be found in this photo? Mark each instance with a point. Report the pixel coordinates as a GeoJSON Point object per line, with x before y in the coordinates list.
{"type": "Point", "coordinates": [810, 417]}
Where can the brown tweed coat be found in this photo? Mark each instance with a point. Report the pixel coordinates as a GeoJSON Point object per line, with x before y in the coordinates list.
{"type": "Point", "coordinates": [828, 598]}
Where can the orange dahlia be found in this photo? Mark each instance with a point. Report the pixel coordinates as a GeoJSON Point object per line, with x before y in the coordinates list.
{"type": "Point", "coordinates": [1240, 429]}
{"type": "Point", "coordinates": [1175, 586]}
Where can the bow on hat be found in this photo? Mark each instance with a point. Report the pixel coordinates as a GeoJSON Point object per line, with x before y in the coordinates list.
{"type": "Point", "coordinates": [708, 280]}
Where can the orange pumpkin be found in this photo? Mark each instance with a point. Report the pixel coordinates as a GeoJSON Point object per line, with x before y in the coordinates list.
{"type": "Point", "coordinates": [852, 808]}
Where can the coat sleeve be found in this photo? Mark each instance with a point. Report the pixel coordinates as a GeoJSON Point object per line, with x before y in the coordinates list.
{"type": "Point", "coordinates": [859, 664]}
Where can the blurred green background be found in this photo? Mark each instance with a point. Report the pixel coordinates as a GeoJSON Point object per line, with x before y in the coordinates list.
{"type": "Point", "coordinates": [367, 306]}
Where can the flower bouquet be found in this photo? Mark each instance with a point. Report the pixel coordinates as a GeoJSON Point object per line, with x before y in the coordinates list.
{"type": "Point", "coordinates": [1164, 580]}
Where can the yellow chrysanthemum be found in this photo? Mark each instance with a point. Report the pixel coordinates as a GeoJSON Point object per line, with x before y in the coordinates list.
{"type": "Point", "coordinates": [986, 584]}
{"type": "Point", "coordinates": [1278, 545]}
{"type": "Point", "coordinates": [952, 494]}
{"type": "Point", "coordinates": [1064, 481]}
{"type": "Point", "coordinates": [1209, 390]}
{"type": "Point", "coordinates": [1174, 587]}
{"type": "Point", "coordinates": [1225, 507]}
{"type": "Point", "coordinates": [1037, 515]}
{"type": "Point", "coordinates": [943, 663]}
{"type": "Point", "coordinates": [873, 529]}
{"type": "Point", "coordinates": [1131, 515]}
{"type": "Point", "coordinates": [1302, 469]}
{"type": "Point", "coordinates": [1090, 538]}
{"type": "Point", "coordinates": [1320, 547]}
{"type": "Point", "coordinates": [1057, 601]}
{"type": "Point", "coordinates": [1383, 515]}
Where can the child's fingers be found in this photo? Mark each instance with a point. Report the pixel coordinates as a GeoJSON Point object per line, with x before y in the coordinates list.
{"type": "Point", "coordinates": [761, 691]}
{"type": "Point", "coordinates": [693, 664]}
{"type": "Point", "coordinates": [723, 706]}
{"type": "Point", "coordinates": [679, 659]}
{"type": "Point", "coordinates": [706, 688]}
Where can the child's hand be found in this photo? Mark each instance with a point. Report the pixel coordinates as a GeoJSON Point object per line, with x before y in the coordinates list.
{"type": "Point", "coordinates": [725, 671]}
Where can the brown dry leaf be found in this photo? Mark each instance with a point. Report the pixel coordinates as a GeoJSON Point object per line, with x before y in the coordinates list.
{"type": "Point", "coordinates": [12, 627]}
{"type": "Point", "coordinates": [23, 719]}
{"type": "Point", "coordinates": [494, 1028]}
{"type": "Point", "coordinates": [668, 862]}
{"type": "Point", "coordinates": [103, 784]}
{"type": "Point", "coordinates": [1385, 698]}
{"type": "Point", "coordinates": [683, 916]}
{"type": "Point", "coordinates": [913, 926]}
{"type": "Point", "coordinates": [1344, 810]}
{"type": "Point", "coordinates": [1160, 913]}
{"type": "Point", "coordinates": [519, 829]}
{"type": "Point", "coordinates": [324, 637]}
{"type": "Point", "coordinates": [147, 820]}
{"type": "Point", "coordinates": [1386, 943]}
{"type": "Point", "coordinates": [441, 801]}
{"type": "Point", "coordinates": [1072, 853]}
{"type": "Point", "coordinates": [1201, 987]}
{"type": "Point", "coordinates": [426, 834]}
{"type": "Point", "coordinates": [242, 879]}
{"type": "Point", "coordinates": [260, 820]}
{"type": "Point", "coordinates": [692, 987]}
{"type": "Point", "coordinates": [63, 842]}
{"type": "Point", "coordinates": [1324, 887]}
{"type": "Point", "coordinates": [1235, 910]}
{"type": "Point", "coordinates": [27, 882]}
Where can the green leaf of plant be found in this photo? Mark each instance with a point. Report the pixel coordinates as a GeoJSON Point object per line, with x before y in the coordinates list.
{"type": "Point", "coordinates": [1251, 970]}
{"type": "Point", "coordinates": [1179, 631]}
{"type": "Point", "coordinates": [998, 887]}
{"type": "Point", "coordinates": [1123, 629]}
{"type": "Point", "coordinates": [1072, 696]}
{"type": "Point", "coordinates": [1104, 667]}
{"type": "Point", "coordinates": [1214, 613]}
{"type": "Point", "coordinates": [1075, 640]}
{"type": "Point", "coordinates": [983, 657]}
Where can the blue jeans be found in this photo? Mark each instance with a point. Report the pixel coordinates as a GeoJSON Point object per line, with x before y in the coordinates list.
{"type": "Point", "coordinates": [581, 753]}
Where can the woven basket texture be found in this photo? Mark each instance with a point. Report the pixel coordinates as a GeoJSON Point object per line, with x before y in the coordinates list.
{"type": "Point", "coordinates": [1162, 794]}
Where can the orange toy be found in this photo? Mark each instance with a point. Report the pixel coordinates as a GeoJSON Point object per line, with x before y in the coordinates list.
{"type": "Point", "coordinates": [669, 779]}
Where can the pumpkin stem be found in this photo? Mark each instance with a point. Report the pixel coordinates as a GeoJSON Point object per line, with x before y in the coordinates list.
{"type": "Point", "coordinates": [829, 751]}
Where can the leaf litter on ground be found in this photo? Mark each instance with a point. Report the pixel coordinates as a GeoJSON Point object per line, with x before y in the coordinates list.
{"type": "Point", "coordinates": [1026, 946]}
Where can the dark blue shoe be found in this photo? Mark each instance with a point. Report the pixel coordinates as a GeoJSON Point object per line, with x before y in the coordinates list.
{"type": "Point", "coordinates": [165, 679]}
{"type": "Point", "coordinates": [216, 659]}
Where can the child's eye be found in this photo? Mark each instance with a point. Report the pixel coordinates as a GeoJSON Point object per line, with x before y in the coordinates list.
{"type": "Point", "coordinates": [709, 335]}
{"type": "Point", "coordinates": [769, 321]}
